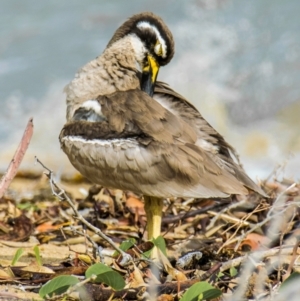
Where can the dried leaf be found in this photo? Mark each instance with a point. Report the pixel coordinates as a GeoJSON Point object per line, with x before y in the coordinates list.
{"type": "Point", "coordinates": [255, 241]}
{"type": "Point", "coordinates": [135, 205]}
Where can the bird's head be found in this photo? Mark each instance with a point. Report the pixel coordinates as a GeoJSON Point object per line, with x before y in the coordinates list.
{"type": "Point", "coordinates": [152, 43]}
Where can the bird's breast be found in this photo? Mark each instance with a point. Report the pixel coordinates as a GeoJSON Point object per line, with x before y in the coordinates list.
{"type": "Point", "coordinates": [115, 163]}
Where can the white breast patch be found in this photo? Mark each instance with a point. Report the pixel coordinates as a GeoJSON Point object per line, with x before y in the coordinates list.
{"type": "Point", "coordinates": [103, 142]}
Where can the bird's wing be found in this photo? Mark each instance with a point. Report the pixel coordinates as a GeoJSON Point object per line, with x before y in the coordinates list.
{"type": "Point", "coordinates": [135, 107]}
{"type": "Point", "coordinates": [159, 156]}
{"type": "Point", "coordinates": [208, 138]}
{"type": "Point", "coordinates": [179, 105]}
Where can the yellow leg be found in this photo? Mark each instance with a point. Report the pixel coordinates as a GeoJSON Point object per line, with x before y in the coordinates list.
{"type": "Point", "coordinates": [153, 208]}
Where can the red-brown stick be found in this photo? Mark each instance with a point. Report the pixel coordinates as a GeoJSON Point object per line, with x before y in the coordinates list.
{"type": "Point", "coordinates": [17, 159]}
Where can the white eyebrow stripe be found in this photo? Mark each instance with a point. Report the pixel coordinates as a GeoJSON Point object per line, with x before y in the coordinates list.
{"type": "Point", "coordinates": [92, 104]}
{"type": "Point", "coordinates": [144, 24]}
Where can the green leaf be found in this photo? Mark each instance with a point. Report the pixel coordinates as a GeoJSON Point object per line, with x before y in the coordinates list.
{"type": "Point", "coordinates": [233, 272]}
{"type": "Point", "coordinates": [36, 251]}
{"type": "Point", "coordinates": [17, 256]}
{"type": "Point", "coordinates": [200, 297]}
{"type": "Point", "coordinates": [57, 285]}
{"type": "Point", "coordinates": [125, 245]}
{"type": "Point", "coordinates": [201, 291]}
{"type": "Point", "coordinates": [106, 275]}
{"type": "Point", "coordinates": [147, 254]}
{"type": "Point", "coordinates": [160, 243]}
{"type": "Point", "coordinates": [27, 206]}
{"type": "Point", "coordinates": [220, 274]}
{"type": "Point", "coordinates": [291, 280]}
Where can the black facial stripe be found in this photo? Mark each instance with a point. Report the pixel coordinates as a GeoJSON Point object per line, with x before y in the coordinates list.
{"type": "Point", "coordinates": [154, 22]}
{"type": "Point", "coordinates": [147, 35]}
{"type": "Point", "coordinates": [149, 39]}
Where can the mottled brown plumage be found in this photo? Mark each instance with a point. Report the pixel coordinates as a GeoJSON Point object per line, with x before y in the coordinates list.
{"type": "Point", "coordinates": [118, 68]}
{"type": "Point", "coordinates": [142, 146]}
{"type": "Point", "coordinates": [208, 138]}
{"type": "Point", "coordinates": [121, 137]}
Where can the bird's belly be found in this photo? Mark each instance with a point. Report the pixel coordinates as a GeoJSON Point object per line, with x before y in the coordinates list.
{"type": "Point", "coordinates": [113, 163]}
{"type": "Point", "coordinates": [128, 165]}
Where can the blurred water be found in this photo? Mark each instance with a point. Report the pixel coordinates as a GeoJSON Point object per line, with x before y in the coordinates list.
{"type": "Point", "coordinates": [238, 61]}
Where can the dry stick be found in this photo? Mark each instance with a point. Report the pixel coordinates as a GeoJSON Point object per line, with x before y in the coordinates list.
{"type": "Point", "coordinates": [279, 198]}
{"type": "Point", "coordinates": [173, 219]}
{"type": "Point", "coordinates": [175, 224]}
{"type": "Point", "coordinates": [240, 238]}
{"type": "Point", "coordinates": [242, 222]}
{"type": "Point", "coordinates": [286, 250]}
{"type": "Point", "coordinates": [230, 219]}
{"type": "Point", "coordinates": [231, 239]}
{"type": "Point", "coordinates": [179, 217]}
{"type": "Point", "coordinates": [96, 249]}
{"type": "Point", "coordinates": [294, 257]}
{"type": "Point", "coordinates": [17, 159]}
{"type": "Point", "coordinates": [248, 267]}
{"type": "Point", "coordinates": [61, 194]}
{"type": "Point", "coordinates": [280, 245]}
{"type": "Point", "coordinates": [268, 218]}
{"type": "Point", "coordinates": [227, 208]}
{"type": "Point", "coordinates": [94, 245]}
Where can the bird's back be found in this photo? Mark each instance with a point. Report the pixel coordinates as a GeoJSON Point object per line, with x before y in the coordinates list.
{"type": "Point", "coordinates": [213, 143]}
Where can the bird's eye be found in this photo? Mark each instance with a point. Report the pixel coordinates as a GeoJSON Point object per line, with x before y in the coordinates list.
{"type": "Point", "coordinates": [158, 49]}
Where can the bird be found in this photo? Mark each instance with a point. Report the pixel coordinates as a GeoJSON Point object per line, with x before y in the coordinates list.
{"type": "Point", "coordinates": [127, 130]}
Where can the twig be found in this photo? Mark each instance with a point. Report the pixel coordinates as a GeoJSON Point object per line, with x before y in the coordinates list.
{"type": "Point", "coordinates": [252, 229]}
{"type": "Point", "coordinates": [284, 231]}
{"type": "Point", "coordinates": [173, 219]}
{"type": "Point", "coordinates": [261, 254]}
{"type": "Point", "coordinates": [61, 194]}
{"type": "Point", "coordinates": [279, 198]}
{"type": "Point", "coordinates": [17, 159]}
{"type": "Point", "coordinates": [231, 239]}
{"type": "Point", "coordinates": [227, 208]}
{"type": "Point", "coordinates": [175, 224]}
{"type": "Point", "coordinates": [293, 259]}
{"type": "Point", "coordinates": [230, 219]}
{"type": "Point", "coordinates": [96, 249]}
{"type": "Point", "coordinates": [268, 218]}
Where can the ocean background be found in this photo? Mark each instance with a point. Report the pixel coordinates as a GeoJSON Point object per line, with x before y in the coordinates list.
{"type": "Point", "coordinates": [237, 61]}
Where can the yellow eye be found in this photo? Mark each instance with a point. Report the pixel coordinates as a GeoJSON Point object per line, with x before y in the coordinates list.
{"type": "Point", "coordinates": [158, 49]}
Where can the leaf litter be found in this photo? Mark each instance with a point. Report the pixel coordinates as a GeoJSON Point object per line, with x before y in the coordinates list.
{"type": "Point", "coordinates": [243, 248]}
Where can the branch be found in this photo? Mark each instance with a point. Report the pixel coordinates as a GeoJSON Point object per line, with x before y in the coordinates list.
{"type": "Point", "coordinates": [61, 194]}
{"type": "Point", "coordinates": [17, 159]}
{"type": "Point", "coordinates": [173, 219]}
{"type": "Point", "coordinates": [261, 254]}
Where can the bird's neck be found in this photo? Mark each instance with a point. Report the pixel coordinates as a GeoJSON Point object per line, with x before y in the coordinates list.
{"type": "Point", "coordinates": [115, 70]}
